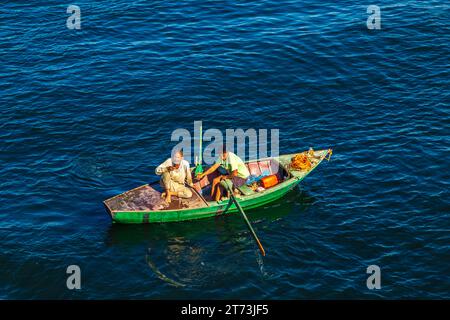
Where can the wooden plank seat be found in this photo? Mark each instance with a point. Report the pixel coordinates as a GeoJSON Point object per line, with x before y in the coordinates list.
{"type": "Point", "coordinates": [253, 168]}
{"type": "Point", "coordinates": [266, 168]}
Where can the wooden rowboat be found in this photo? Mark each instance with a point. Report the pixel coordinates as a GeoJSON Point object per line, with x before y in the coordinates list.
{"type": "Point", "coordinates": [145, 205]}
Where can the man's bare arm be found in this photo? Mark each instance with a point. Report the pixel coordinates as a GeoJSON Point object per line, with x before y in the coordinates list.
{"type": "Point", "coordinates": [188, 175]}
{"type": "Point", "coordinates": [210, 170]}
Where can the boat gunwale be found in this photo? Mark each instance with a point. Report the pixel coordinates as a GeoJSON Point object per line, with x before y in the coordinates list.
{"type": "Point", "coordinates": [214, 204]}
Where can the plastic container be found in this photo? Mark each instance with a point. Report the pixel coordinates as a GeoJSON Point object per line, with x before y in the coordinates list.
{"type": "Point", "coordinates": [269, 181]}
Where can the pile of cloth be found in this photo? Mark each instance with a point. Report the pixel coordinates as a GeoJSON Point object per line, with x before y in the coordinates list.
{"type": "Point", "coordinates": [253, 181]}
{"type": "Point", "coordinates": [252, 178]}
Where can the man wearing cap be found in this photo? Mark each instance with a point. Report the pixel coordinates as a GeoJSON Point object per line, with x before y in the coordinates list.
{"type": "Point", "coordinates": [174, 173]}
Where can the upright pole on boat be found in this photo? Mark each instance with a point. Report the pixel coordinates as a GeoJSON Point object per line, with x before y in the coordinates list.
{"type": "Point", "coordinates": [199, 167]}
{"type": "Point", "coordinates": [201, 140]}
{"type": "Point", "coordinates": [238, 206]}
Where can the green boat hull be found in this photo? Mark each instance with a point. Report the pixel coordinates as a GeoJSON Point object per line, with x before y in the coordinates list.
{"type": "Point", "coordinates": [223, 207]}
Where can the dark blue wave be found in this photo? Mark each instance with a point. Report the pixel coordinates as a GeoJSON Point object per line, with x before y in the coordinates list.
{"type": "Point", "coordinates": [88, 113]}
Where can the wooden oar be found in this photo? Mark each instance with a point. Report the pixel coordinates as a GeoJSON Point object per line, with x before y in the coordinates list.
{"type": "Point", "coordinates": [153, 182]}
{"type": "Point", "coordinates": [238, 206]}
{"type": "Point", "coordinates": [197, 193]}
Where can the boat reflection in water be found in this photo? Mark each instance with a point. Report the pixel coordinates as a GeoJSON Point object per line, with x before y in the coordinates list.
{"type": "Point", "coordinates": [159, 274]}
{"type": "Point", "coordinates": [200, 252]}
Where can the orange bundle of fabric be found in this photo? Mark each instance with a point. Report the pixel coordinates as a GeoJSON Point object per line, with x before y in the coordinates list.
{"type": "Point", "coordinates": [300, 162]}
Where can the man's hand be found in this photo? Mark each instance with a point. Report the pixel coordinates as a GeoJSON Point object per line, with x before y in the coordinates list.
{"type": "Point", "coordinates": [170, 168]}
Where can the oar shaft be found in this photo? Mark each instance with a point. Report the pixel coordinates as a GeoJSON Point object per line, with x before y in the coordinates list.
{"type": "Point", "coordinates": [238, 206]}
{"type": "Point", "coordinates": [201, 139]}
{"type": "Point", "coordinates": [197, 193]}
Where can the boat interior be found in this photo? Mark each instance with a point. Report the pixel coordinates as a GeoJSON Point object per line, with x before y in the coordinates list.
{"type": "Point", "coordinates": [149, 197]}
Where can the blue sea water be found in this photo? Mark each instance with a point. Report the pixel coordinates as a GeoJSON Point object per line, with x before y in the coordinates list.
{"type": "Point", "coordinates": [87, 114]}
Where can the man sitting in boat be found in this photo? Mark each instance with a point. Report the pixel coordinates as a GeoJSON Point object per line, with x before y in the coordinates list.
{"type": "Point", "coordinates": [232, 169]}
{"type": "Point", "coordinates": [174, 174]}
